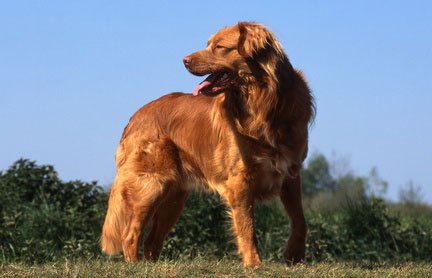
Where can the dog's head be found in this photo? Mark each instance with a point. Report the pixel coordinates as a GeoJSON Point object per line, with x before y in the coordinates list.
{"type": "Point", "coordinates": [246, 52]}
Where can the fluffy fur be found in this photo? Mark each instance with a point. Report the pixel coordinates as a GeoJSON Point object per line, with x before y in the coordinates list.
{"type": "Point", "coordinates": [244, 136]}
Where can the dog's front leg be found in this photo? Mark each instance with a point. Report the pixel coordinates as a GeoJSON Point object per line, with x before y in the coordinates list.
{"type": "Point", "coordinates": [290, 196]}
{"type": "Point", "coordinates": [241, 203]}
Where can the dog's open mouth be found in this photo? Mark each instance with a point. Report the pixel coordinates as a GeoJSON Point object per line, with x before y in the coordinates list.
{"type": "Point", "coordinates": [214, 84]}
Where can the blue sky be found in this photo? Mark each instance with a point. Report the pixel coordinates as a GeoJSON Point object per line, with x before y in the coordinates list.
{"type": "Point", "coordinates": [73, 72]}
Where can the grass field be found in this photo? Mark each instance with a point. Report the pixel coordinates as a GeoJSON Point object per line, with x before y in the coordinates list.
{"type": "Point", "coordinates": [211, 268]}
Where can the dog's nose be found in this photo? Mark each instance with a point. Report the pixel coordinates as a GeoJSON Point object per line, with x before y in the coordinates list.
{"type": "Point", "coordinates": [187, 61]}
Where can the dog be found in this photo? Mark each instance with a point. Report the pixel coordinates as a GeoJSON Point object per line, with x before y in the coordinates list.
{"type": "Point", "coordinates": [242, 133]}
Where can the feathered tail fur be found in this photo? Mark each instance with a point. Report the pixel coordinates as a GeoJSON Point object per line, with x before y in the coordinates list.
{"type": "Point", "coordinates": [114, 222]}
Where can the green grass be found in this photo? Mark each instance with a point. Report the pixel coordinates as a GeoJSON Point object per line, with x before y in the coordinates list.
{"type": "Point", "coordinates": [201, 267]}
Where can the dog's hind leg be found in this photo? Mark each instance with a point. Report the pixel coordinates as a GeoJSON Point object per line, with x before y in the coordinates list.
{"type": "Point", "coordinates": [290, 196]}
{"type": "Point", "coordinates": [150, 173]}
{"type": "Point", "coordinates": [163, 221]}
{"type": "Point", "coordinates": [140, 210]}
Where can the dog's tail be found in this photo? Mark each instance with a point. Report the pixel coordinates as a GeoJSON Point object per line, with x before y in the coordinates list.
{"type": "Point", "coordinates": [115, 222]}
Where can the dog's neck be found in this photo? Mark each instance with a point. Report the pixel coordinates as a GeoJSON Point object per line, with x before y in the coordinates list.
{"type": "Point", "coordinates": [265, 109]}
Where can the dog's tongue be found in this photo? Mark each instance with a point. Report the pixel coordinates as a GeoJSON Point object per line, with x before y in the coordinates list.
{"type": "Point", "coordinates": [203, 84]}
{"type": "Point", "coordinates": [208, 81]}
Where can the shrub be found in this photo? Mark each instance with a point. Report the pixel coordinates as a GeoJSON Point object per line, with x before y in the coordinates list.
{"type": "Point", "coordinates": [43, 218]}
{"type": "Point", "coordinates": [203, 228]}
{"type": "Point", "coordinates": [367, 231]}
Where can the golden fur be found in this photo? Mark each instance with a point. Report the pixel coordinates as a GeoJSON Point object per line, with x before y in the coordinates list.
{"type": "Point", "coordinates": [245, 136]}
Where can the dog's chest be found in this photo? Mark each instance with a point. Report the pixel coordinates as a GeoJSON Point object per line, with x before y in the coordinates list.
{"type": "Point", "coordinates": [271, 172]}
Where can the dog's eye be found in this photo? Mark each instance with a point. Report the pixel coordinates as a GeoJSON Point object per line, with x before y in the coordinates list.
{"type": "Point", "coordinates": [220, 46]}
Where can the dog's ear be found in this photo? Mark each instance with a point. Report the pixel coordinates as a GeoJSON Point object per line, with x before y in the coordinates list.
{"type": "Point", "coordinates": [254, 38]}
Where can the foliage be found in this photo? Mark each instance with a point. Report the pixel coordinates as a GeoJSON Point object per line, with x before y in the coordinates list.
{"type": "Point", "coordinates": [43, 218]}
{"type": "Point", "coordinates": [411, 210]}
{"type": "Point", "coordinates": [411, 202]}
{"type": "Point", "coordinates": [325, 188]}
{"type": "Point", "coordinates": [411, 194]}
{"type": "Point", "coordinates": [365, 231]}
{"type": "Point", "coordinates": [203, 228]}
{"type": "Point", "coordinates": [368, 232]}
{"type": "Point", "coordinates": [317, 177]}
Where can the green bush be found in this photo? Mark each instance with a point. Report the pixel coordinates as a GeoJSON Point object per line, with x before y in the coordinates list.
{"type": "Point", "coordinates": [367, 231]}
{"type": "Point", "coordinates": [203, 228]}
{"type": "Point", "coordinates": [364, 231]}
{"type": "Point", "coordinates": [43, 218]}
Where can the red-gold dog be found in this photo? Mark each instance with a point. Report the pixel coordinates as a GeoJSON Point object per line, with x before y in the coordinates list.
{"type": "Point", "coordinates": [243, 133]}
